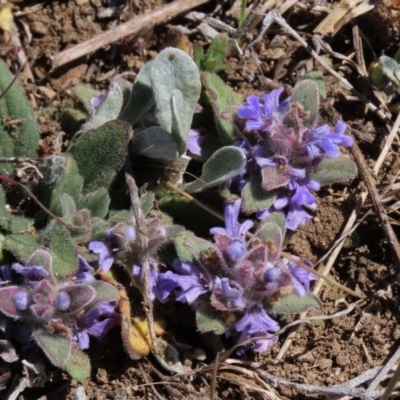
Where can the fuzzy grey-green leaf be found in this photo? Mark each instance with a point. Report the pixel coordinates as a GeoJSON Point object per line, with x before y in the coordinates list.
{"type": "Point", "coordinates": [390, 68]}
{"type": "Point", "coordinates": [141, 99]}
{"type": "Point", "coordinates": [96, 202]}
{"type": "Point", "coordinates": [255, 198]}
{"type": "Point", "coordinates": [78, 365]}
{"type": "Point", "coordinates": [56, 347]}
{"type": "Point", "coordinates": [307, 94]}
{"type": "Point", "coordinates": [333, 170]}
{"type": "Point", "coordinates": [223, 165]}
{"type": "Point", "coordinates": [108, 110]}
{"type": "Point", "coordinates": [155, 142]}
{"type": "Point", "coordinates": [295, 304]}
{"type": "Point", "coordinates": [174, 70]}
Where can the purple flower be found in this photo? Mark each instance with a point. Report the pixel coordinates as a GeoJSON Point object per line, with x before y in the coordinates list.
{"type": "Point", "coordinates": [84, 272]}
{"type": "Point", "coordinates": [256, 322]}
{"type": "Point", "coordinates": [321, 138]}
{"type": "Point", "coordinates": [154, 287]}
{"type": "Point", "coordinates": [226, 295]}
{"type": "Point", "coordinates": [96, 101]}
{"type": "Point", "coordinates": [235, 231]}
{"type": "Point", "coordinates": [259, 112]}
{"type": "Point", "coordinates": [31, 274]}
{"type": "Point", "coordinates": [295, 197]}
{"type": "Point", "coordinates": [21, 300]}
{"type": "Point", "coordinates": [63, 301]}
{"type": "Point", "coordinates": [97, 322]}
{"type": "Point", "coordinates": [105, 250]}
{"type": "Point", "coordinates": [194, 142]}
{"type": "Point", "coordinates": [191, 281]}
{"type": "Point", "coordinates": [301, 277]}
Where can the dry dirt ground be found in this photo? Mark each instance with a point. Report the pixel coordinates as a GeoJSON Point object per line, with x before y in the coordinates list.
{"type": "Point", "coordinates": [323, 353]}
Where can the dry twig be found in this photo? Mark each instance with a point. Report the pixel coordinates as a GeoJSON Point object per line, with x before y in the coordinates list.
{"type": "Point", "coordinates": [148, 20]}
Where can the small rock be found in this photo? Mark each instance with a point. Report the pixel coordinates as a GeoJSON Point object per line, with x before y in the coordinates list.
{"type": "Point", "coordinates": [307, 357]}
{"type": "Point", "coordinates": [38, 28]}
{"type": "Point", "coordinates": [81, 2]}
{"type": "Point", "coordinates": [324, 363]}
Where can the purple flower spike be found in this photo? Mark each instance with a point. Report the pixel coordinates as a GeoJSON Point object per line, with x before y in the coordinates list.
{"type": "Point", "coordinates": [256, 322]}
{"type": "Point", "coordinates": [105, 250]}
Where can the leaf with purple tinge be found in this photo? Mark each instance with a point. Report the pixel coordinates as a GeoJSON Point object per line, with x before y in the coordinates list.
{"type": "Point", "coordinates": [273, 178]}
{"type": "Point", "coordinates": [56, 347]}
{"type": "Point", "coordinates": [41, 257]}
{"type": "Point", "coordinates": [80, 295]}
{"type": "Point", "coordinates": [7, 303]}
{"type": "Point", "coordinates": [254, 198]}
{"type": "Point", "coordinates": [270, 234]}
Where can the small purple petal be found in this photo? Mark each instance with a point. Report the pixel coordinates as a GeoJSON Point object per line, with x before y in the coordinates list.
{"type": "Point", "coordinates": [21, 300]}
{"type": "Point", "coordinates": [32, 274]}
{"type": "Point", "coordinates": [63, 301]}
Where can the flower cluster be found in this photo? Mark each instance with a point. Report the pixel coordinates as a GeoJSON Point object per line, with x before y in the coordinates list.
{"type": "Point", "coordinates": [284, 147]}
{"type": "Point", "coordinates": [74, 305]}
{"type": "Point", "coordinates": [243, 277]}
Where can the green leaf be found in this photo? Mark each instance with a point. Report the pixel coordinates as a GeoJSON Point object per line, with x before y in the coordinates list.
{"type": "Point", "coordinates": [21, 245]}
{"type": "Point", "coordinates": [100, 154]}
{"type": "Point", "coordinates": [78, 365]}
{"type": "Point", "coordinates": [296, 304]}
{"type": "Point", "coordinates": [70, 183]}
{"type": "Point", "coordinates": [307, 94]}
{"type": "Point", "coordinates": [96, 202]}
{"type": "Point", "coordinates": [147, 202]}
{"type": "Point", "coordinates": [84, 93]}
{"type": "Point", "coordinates": [223, 165]}
{"type": "Point", "coordinates": [224, 102]}
{"type": "Point", "coordinates": [270, 234]}
{"type": "Point", "coordinates": [108, 110]}
{"type": "Point", "coordinates": [215, 55]}
{"type": "Point", "coordinates": [189, 247]}
{"type": "Point", "coordinates": [255, 198]}
{"type": "Point", "coordinates": [141, 99]}
{"type": "Point", "coordinates": [104, 292]}
{"type": "Point", "coordinates": [210, 320]}
{"type": "Point", "coordinates": [9, 222]}
{"type": "Point", "coordinates": [155, 142]}
{"type": "Point", "coordinates": [21, 137]}
{"type": "Point", "coordinates": [56, 347]}
{"type": "Point", "coordinates": [174, 70]}
{"type": "Point", "coordinates": [334, 170]}
{"type": "Point", "coordinates": [318, 78]}
{"type": "Point", "coordinates": [57, 240]}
